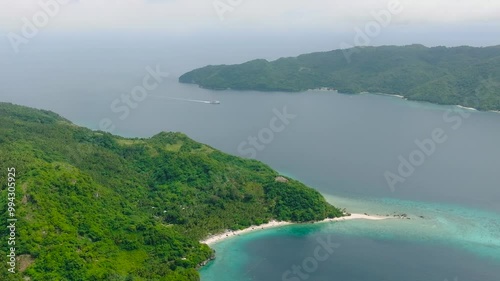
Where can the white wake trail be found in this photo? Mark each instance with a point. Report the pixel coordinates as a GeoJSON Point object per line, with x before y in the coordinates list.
{"type": "Point", "coordinates": [181, 99]}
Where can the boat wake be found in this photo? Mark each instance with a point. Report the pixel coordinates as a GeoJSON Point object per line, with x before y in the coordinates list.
{"type": "Point", "coordinates": [189, 100]}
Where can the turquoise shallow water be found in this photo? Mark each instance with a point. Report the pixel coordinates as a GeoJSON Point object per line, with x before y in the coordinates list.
{"type": "Point", "coordinates": [477, 231]}
{"type": "Point", "coordinates": [449, 241]}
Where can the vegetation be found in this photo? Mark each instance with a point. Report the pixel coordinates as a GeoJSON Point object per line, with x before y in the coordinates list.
{"type": "Point", "coordinates": [93, 206]}
{"type": "Point", "coordinates": [465, 76]}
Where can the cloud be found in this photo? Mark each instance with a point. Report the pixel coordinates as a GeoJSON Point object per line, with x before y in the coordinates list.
{"type": "Point", "coordinates": [186, 15]}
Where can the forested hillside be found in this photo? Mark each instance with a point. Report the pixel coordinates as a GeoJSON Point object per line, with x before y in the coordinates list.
{"type": "Point", "coordinates": [94, 206]}
{"type": "Point", "coordinates": [465, 76]}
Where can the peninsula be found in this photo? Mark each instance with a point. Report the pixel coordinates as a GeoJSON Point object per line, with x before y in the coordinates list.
{"type": "Point", "coordinates": [94, 206]}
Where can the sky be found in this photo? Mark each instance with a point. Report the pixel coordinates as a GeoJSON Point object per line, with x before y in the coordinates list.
{"type": "Point", "coordinates": [193, 15]}
{"type": "Point", "coordinates": [232, 31]}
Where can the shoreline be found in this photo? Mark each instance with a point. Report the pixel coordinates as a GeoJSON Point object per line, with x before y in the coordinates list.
{"type": "Point", "coordinates": [213, 239]}
{"type": "Point", "coordinates": [464, 107]}
{"type": "Point", "coordinates": [406, 99]}
{"type": "Point", "coordinates": [338, 92]}
{"type": "Point", "coordinates": [388, 95]}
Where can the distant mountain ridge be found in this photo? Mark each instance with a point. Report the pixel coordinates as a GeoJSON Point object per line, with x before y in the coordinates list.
{"type": "Point", "coordinates": [467, 76]}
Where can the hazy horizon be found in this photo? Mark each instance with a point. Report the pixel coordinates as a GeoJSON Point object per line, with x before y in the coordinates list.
{"type": "Point", "coordinates": [234, 31]}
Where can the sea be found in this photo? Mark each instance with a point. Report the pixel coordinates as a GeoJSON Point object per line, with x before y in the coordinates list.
{"type": "Point", "coordinates": [434, 169]}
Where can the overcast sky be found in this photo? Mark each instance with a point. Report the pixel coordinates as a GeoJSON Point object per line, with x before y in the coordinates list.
{"type": "Point", "coordinates": [189, 15]}
{"type": "Point", "coordinates": [231, 31]}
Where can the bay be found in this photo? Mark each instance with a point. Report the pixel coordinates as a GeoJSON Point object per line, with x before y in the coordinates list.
{"type": "Point", "coordinates": [342, 145]}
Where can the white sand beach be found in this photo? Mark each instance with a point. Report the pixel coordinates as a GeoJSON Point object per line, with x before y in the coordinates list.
{"type": "Point", "coordinates": [389, 95]}
{"type": "Point", "coordinates": [356, 217]}
{"type": "Point", "coordinates": [468, 108]}
{"type": "Point", "coordinates": [229, 233]}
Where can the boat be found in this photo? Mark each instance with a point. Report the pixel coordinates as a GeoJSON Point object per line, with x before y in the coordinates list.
{"type": "Point", "coordinates": [214, 102]}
